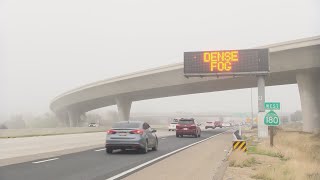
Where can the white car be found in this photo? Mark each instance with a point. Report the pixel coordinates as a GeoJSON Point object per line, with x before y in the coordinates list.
{"type": "Point", "coordinates": [172, 126]}
{"type": "Point", "coordinates": [226, 124]}
{"type": "Point", "coordinates": [93, 125]}
{"type": "Point", "coordinates": [209, 124]}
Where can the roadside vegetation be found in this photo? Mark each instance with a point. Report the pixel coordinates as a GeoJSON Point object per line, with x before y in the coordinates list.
{"type": "Point", "coordinates": [295, 156]}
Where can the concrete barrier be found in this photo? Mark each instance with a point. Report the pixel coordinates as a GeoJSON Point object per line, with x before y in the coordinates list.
{"type": "Point", "coordinates": [10, 133]}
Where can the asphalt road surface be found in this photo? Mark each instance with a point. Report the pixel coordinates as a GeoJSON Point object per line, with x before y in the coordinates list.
{"type": "Point", "coordinates": [93, 164]}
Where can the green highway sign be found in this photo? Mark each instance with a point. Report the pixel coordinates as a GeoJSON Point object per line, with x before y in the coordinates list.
{"type": "Point", "coordinates": [272, 105]}
{"type": "Point", "coordinates": [271, 119]}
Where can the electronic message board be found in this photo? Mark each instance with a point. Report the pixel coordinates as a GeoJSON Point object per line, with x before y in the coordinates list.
{"type": "Point", "coordinates": [226, 62]}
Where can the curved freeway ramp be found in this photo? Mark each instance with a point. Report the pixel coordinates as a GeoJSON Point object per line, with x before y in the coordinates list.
{"type": "Point", "coordinates": [290, 62]}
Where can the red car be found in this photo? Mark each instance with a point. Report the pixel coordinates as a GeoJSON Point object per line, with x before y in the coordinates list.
{"type": "Point", "coordinates": [188, 127]}
{"type": "Point", "coordinates": [218, 124]}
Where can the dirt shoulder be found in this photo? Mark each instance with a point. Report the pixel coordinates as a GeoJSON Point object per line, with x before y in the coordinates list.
{"type": "Point", "coordinates": [295, 156]}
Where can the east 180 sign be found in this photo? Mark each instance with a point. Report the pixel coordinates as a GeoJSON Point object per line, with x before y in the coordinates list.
{"type": "Point", "coordinates": [227, 62]}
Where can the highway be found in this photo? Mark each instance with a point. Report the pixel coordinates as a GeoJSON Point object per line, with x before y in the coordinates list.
{"type": "Point", "coordinates": [94, 164]}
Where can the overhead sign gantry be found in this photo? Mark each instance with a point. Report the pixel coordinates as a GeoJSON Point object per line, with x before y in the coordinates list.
{"type": "Point", "coordinates": [232, 63]}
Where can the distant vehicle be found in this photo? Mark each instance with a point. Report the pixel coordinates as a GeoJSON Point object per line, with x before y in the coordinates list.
{"type": "Point", "coordinates": [93, 125]}
{"type": "Point", "coordinates": [210, 124]}
{"type": "Point", "coordinates": [172, 126]}
{"type": "Point", "coordinates": [218, 124]}
{"type": "Point", "coordinates": [226, 124]}
{"type": "Point", "coordinates": [188, 127]}
{"type": "Point", "coordinates": [176, 119]}
{"type": "Point", "coordinates": [136, 135]}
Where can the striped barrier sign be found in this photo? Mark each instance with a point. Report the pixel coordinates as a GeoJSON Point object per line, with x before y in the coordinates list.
{"type": "Point", "coordinates": [240, 145]}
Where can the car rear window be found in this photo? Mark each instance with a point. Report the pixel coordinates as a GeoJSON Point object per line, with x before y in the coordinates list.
{"type": "Point", "coordinates": [126, 125]}
{"type": "Point", "coordinates": [186, 122]}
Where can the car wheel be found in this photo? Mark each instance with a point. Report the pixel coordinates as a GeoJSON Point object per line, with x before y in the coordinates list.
{"type": "Point", "coordinates": [155, 148]}
{"type": "Point", "coordinates": [109, 150]}
{"type": "Point", "coordinates": [199, 134]}
{"type": "Point", "coordinates": [145, 149]}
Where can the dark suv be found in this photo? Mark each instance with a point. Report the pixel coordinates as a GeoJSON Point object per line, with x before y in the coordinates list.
{"type": "Point", "coordinates": [188, 127]}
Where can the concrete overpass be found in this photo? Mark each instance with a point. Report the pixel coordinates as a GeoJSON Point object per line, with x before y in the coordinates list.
{"type": "Point", "coordinates": [291, 62]}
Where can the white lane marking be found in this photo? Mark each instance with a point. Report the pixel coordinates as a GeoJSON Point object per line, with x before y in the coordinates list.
{"type": "Point", "coordinates": [163, 138]}
{"type": "Point", "coordinates": [161, 157]}
{"type": "Point", "coordinates": [100, 149]}
{"type": "Point", "coordinates": [37, 162]}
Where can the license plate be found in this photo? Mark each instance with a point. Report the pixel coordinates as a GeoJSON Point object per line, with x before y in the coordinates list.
{"type": "Point", "coordinates": [185, 128]}
{"type": "Point", "coordinates": [122, 134]}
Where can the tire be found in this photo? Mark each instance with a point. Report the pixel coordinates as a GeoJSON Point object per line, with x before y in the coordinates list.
{"type": "Point", "coordinates": [169, 130]}
{"type": "Point", "coordinates": [109, 150]}
{"type": "Point", "coordinates": [206, 128]}
{"type": "Point", "coordinates": [145, 149]}
{"type": "Point", "coordinates": [199, 135]}
{"type": "Point", "coordinates": [155, 148]}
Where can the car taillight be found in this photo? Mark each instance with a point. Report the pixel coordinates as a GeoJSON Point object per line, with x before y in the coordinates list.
{"type": "Point", "coordinates": [111, 131]}
{"type": "Point", "coordinates": [137, 131]}
{"type": "Point", "coordinates": [193, 126]}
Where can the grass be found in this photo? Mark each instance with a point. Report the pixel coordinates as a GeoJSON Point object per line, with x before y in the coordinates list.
{"type": "Point", "coordinates": [299, 152]}
{"type": "Point", "coordinates": [242, 160]}
{"type": "Point", "coordinates": [255, 150]}
{"type": "Point", "coordinates": [294, 156]}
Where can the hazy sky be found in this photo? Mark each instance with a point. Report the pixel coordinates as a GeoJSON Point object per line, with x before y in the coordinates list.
{"type": "Point", "coordinates": [49, 47]}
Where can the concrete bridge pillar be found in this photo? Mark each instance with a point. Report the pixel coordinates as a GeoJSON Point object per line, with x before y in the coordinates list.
{"type": "Point", "coordinates": [309, 89]}
{"type": "Point", "coordinates": [74, 117]}
{"type": "Point", "coordinates": [124, 106]}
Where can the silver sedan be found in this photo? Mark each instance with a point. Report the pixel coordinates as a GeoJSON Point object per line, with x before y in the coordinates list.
{"type": "Point", "coordinates": [136, 135]}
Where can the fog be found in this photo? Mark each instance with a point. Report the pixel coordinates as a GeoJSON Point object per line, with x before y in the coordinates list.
{"type": "Point", "coordinates": [49, 47]}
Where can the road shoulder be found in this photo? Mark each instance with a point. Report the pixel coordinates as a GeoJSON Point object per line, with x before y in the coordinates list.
{"type": "Point", "coordinates": [197, 162]}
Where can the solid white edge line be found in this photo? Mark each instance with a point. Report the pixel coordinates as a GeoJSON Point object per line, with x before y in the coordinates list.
{"type": "Point", "coordinates": [52, 159]}
{"type": "Point", "coordinates": [161, 157]}
{"type": "Point", "coordinates": [100, 149]}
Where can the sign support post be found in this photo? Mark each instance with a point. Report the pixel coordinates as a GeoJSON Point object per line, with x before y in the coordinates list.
{"type": "Point", "coordinates": [271, 135]}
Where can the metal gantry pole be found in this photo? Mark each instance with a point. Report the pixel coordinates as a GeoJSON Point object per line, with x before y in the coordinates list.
{"type": "Point", "coordinates": [262, 128]}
